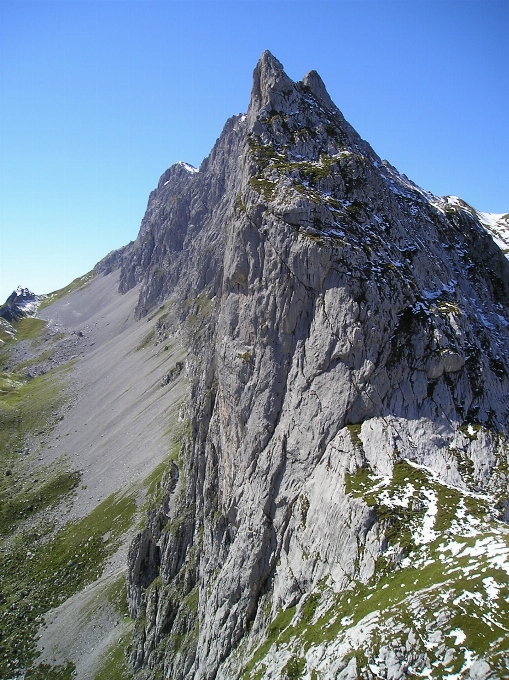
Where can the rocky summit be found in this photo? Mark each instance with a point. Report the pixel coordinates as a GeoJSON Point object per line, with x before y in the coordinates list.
{"type": "Point", "coordinates": [22, 302]}
{"type": "Point", "coordinates": [297, 377]}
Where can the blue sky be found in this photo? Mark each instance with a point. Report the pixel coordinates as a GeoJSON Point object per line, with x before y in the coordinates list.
{"type": "Point", "coordinates": [97, 99]}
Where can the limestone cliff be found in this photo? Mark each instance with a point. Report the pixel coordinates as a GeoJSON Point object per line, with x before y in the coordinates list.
{"type": "Point", "coordinates": [347, 337]}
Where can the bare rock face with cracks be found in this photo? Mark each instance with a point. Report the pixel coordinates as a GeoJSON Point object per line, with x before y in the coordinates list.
{"type": "Point", "coordinates": [349, 343]}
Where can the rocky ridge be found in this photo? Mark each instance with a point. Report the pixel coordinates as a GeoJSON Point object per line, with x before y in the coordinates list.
{"type": "Point", "coordinates": [348, 417]}
{"type": "Point", "coordinates": [22, 302]}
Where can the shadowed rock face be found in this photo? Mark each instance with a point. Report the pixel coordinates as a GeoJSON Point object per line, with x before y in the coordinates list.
{"type": "Point", "coordinates": [347, 319]}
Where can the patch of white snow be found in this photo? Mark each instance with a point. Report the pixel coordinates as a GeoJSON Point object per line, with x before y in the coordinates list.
{"type": "Point", "coordinates": [426, 534]}
{"type": "Point", "coordinates": [460, 636]}
{"type": "Point", "coordinates": [188, 167]}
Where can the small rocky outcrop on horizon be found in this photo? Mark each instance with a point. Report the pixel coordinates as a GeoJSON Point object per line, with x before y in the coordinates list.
{"type": "Point", "coordinates": [348, 420]}
{"type": "Point", "coordinates": [20, 303]}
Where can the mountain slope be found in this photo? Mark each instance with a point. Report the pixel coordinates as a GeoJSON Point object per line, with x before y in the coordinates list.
{"type": "Point", "coordinates": [89, 412]}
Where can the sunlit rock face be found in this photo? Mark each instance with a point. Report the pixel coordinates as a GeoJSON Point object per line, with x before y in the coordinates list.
{"type": "Point", "coordinates": [348, 362]}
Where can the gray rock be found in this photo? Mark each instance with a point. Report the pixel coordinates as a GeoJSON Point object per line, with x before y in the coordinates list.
{"type": "Point", "coordinates": [480, 670]}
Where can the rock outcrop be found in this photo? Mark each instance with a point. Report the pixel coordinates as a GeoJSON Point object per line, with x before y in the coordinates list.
{"type": "Point", "coordinates": [341, 322]}
{"type": "Point", "coordinates": [20, 303]}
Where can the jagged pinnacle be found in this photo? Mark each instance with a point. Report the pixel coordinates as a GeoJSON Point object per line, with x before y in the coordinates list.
{"type": "Point", "coordinates": [268, 76]}
{"type": "Point", "coordinates": [317, 87]}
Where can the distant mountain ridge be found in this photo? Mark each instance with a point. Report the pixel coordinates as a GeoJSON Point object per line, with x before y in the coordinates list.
{"type": "Point", "coordinates": [22, 302]}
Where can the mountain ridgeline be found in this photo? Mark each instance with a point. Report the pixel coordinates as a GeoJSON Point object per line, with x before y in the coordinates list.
{"type": "Point", "coordinates": [336, 502]}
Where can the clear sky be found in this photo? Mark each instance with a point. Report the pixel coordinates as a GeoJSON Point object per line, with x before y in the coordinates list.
{"type": "Point", "coordinates": [98, 98]}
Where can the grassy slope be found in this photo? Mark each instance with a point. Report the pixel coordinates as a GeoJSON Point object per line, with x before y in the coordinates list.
{"type": "Point", "coordinates": [445, 605]}
{"type": "Point", "coordinates": [28, 494]}
{"type": "Point", "coordinates": [78, 283]}
{"type": "Point", "coordinates": [41, 564]}
{"type": "Point", "coordinates": [43, 559]}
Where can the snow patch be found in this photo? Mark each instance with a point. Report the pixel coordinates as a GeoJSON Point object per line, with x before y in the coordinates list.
{"type": "Point", "coordinates": [188, 167]}
{"type": "Point", "coordinates": [460, 636]}
{"type": "Point", "coordinates": [492, 587]}
{"type": "Point", "coordinates": [426, 534]}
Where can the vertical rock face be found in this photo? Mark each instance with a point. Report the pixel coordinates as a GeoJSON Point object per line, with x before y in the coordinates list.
{"type": "Point", "coordinates": [339, 319]}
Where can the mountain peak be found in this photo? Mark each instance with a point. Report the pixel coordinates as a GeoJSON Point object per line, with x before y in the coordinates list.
{"type": "Point", "coordinates": [22, 302]}
{"type": "Point", "coordinates": [176, 172]}
{"type": "Point", "coordinates": [317, 87]}
{"type": "Point", "coordinates": [187, 166]}
{"type": "Point", "coordinates": [269, 60]}
{"type": "Point", "coordinates": [268, 76]}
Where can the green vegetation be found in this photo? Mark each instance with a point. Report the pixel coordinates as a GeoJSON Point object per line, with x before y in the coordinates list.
{"type": "Point", "coordinates": [30, 556]}
{"type": "Point", "coordinates": [44, 560]}
{"type": "Point", "coordinates": [47, 672]}
{"type": "Point", "coordinates": [155, 485]}
{"type": "Point", "coordinates": [198, 312]}
{"type": "Point", "coordinates": [28, 408]}
{"type": "Point", "coordinates": [199, 309]}
{"type": "Point", "coordinates": [28, 328]}
{"type": "Point", "coordinates": [6, 336]}
{"type": "Point", "coordinates": [56, 564]}
{"type": "Point", "coordinates": [305, 175]}
{"type": "Point", "coordinates": [319, 240]}
{"type": "Point", "coordinates": [25, 496]}
{"type": "Point", "coordinates": [294, 668]}
{"type": "Point", "coordinates": [42, 564]}
{"type": "Point", "coordinates": [451, 573]}
{"type": "Point", "coordinates": [397, 521]}
{"type": "Point", "coordinates": [354, 208]}
{"type": "Point", "coordinates": [407, 599]}
{"type": "Point", "coordinates": [179, 596]}
{"type": "Point", "coordinates": [39, 358]}
{"type": "Point", "coordinates": [446, 307]}
{"type": "Point", "coordinates": [114, 664]}
{"type": "Point", "coordinates": [360, 483]}
{"type": "Point", "coordinates": [147, 340]}
{"type": "Point", "coordinates": [304, 508]}
{"type": "Point", "coordinates": [465, 466]}
{"type": "Point", "coordinates": [274, 632]}
{"type": "Point", "coordinates": [9, 382]}
{"type": "Point", "coordinates": [240, 204]}
{"type": "Point", "coordinates": [355, 435]}
{"type": "Point", "coordinates": [470, 430]}
{"type": "Point", "coordinates": [448, 503]}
